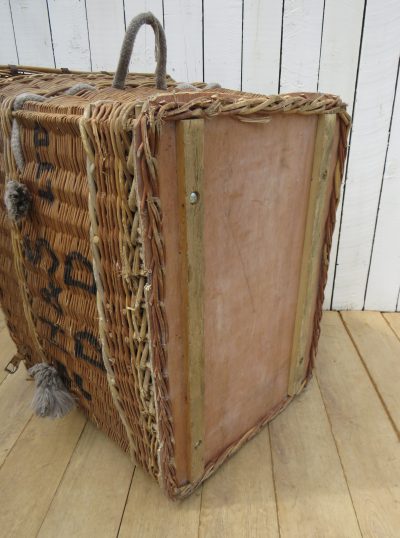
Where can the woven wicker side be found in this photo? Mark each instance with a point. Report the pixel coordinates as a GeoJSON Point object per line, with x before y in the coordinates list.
{"type": "Point", "coordinates": [125, 278]}
{"type": "Point", "coordinates": [56, 258]}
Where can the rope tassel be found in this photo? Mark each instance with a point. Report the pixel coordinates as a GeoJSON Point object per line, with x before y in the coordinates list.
{"type": "Point", "coordinates": [51, 398]}
{"type": "Point", "coordinates": [17, 200]}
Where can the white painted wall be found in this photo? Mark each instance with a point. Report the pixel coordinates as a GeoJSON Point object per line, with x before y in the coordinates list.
{"type": "Point", "coordinates": [348, 47]}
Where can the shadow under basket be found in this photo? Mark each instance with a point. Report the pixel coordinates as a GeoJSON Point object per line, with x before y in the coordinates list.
{"type": "Point", "coordinates": [173, 260]}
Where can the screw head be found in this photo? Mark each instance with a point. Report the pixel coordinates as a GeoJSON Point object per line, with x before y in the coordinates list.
{"type": "Point", "coordinates": [194, 197]}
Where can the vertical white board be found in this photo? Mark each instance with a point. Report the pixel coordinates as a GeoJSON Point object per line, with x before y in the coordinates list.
{"type": "Point", "coordinates": [223, 42]}
{"type": "Point", "coordinates": [372, 113]}
{"type": "Point", "coordinates": [8, 50]}
{"type": "Point", "coordinates": [301, 40]}
{"type": "Point", "coordinates": [262, 28]}
{"type": "Point", "coordinates": [183, 27]}
{"type": "Point", "coordinates": [32, 32]}
{"type": "Point", "coordinates": [337, 74]}
{"type": "Point", "coordinates": [70, 36]}
{"type": "Point", "coordinates": [384, 277]}
{"type": "Point", "coordinates": [143, 60]}
{"type": "Point", "coordinates": [106, 32]}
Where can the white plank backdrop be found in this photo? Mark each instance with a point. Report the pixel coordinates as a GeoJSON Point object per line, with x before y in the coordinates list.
{"type": "Point", "coordinates": [348, 47]}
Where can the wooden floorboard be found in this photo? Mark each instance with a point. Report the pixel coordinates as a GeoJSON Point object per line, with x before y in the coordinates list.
{"type": "Point", "coordinates": [149, 513]}
{"type": "Point", "coordinates": [379, 348]}
{"type": "Point", "coordinates": [367, 443]}
{"type": "Point", "coordinates": [32, 472]}
{"type": "Point", "coordinates": [94, 488]}
{"type": "Point", "coordinates": [7, 351]}
{"type": "Point", "coordinates": [239, 500]}
{"type": "Point", "coordinates": [312, 493]}
{"type": "Point", "coordinates": [15, 410]}
{"type": "Point", "coordinates": [328, 466]}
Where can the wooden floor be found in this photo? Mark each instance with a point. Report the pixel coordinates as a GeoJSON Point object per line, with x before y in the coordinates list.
{"type": "Point", "coordinates": [329, 466]}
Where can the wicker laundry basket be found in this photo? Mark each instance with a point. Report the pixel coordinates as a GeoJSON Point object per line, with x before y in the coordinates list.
{"type": "Point", "coordinates": [173, 260]}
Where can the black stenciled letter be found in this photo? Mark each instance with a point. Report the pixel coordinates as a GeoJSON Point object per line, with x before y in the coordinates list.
{"type": "Point", "coordinates": [77, 258]}
{"type": "Point", "coordinates": [55, 329]}
{"type": "Point", "coordinates": [35, 253]}
{"type": "Point", "coordinates": [66, 379]}
{"type": "Point", "coordinates": [41, 138]}
{"type": "Point", "coordinates": [86, 336]}
{"type": "Point", "coordinates": [50, 295]}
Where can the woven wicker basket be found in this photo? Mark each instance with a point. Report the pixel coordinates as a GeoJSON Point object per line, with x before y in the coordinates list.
{"type": "Point", "coordinates": [173, 262]}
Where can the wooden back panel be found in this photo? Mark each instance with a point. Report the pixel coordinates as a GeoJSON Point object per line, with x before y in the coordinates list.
{"type": "Point", "coordinates": [256, 186]}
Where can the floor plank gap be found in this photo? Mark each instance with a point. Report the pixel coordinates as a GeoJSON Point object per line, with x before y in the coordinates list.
{"type": "Point", "coordinates": [274, 482]}
{"type": "Point", "coordinates": [370, 377]}
{"type": "Point", "coordinates": [338, 453]}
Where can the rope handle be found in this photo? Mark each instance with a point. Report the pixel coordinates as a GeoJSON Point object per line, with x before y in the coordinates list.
{"type": "Point", "coordinates": [127, 47]}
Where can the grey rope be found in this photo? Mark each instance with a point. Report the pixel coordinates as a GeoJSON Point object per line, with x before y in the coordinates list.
{"type": "Point", "coordinates": [19, 101]}
{"type": "Point", "coordinates": [127, 47]}
{"type": "Point", "coordinates": [188, 86]}
{"type": "Point", "coordinates": [16, 147]}
{"type": "Point", "coordinates": [79, 87]}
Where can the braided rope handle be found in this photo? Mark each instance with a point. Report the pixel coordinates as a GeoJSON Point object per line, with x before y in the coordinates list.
{"type": "Point", "coordinates": [127, 47]}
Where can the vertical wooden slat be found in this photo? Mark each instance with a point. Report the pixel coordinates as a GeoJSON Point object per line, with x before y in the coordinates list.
{"type": "Point", "coordinates": [384, 277]}
{"type": "Point", "coordinates": [311, 250]}
{"type": "Point", "coordinates": [32, 32]}
{"type": "Point", "coordinates": [8, 51]}
{"type": "Point", "coordinates": [371, 120]}
{"type": "Point", "coordinates": [106, 32]}
{"type": "Point", "coordinates": [338, 74]}
{"type": "Point", "coordinates": [190, 147]}
{"type": "Point", "coordinates": [183, 28]}
{"type": "Point", "coordinates": [223, 42]}
{"type": "Point", "coordinates": [70, 35]}
{"type": "Point", "coordinates": [262, 23]}
{"type": "Point", "coordinates": [190, 159]}
{"type": "Point", "coordinates": [301, 39]}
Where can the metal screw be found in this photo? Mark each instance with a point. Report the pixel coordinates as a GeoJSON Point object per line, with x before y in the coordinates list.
{"type": "Point", "coordinates": [194, 197]}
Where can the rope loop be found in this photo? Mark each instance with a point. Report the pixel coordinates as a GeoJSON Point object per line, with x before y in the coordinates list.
{"type": "Point", "coordinates": [127, 48]}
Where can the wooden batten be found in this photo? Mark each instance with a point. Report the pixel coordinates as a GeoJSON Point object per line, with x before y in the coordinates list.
{"type": "Point", "coordinates": [190, 167]}
{"type": "Point", "coordinates": [310, 266]}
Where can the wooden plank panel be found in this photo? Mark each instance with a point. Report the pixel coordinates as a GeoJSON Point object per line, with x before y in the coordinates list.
{"type": "Point", "coordinates": [394, 321]}
{"type": "Point", "coordinates": [302, 27]}
{"type": "Point", "coordinates": [312, 494]}
{"type": "Point", "coordinates": [380, 351]}
{"type": "Point", "coordinates": [70, 37]}
{"type": "Point", "coordinates": [372, 112]}
{"type": "Point", "coordinates": [143, 59]}
{"type": "Point", "coordinates": [183, 28]}
{"type": "Point", "coordinates": [150, 514]}
{"type": "Point", "coordinates": [239, 501]}
{"type": "Point", "coordinates": [32, 471]}
{"type": "Point", "coordinates": [7, 351]}
{"type": "Point", "coordinates": [384, 277]}
{"type": "Point", "coordinates": [313, 239]}
{"type": "Point", "coordinates": [262, 26]}
{"type": "Point", "coordinates": [223, 42]}
{"type": "Point", "coordinates": [8, 50]}
{"type": "Point", "coordinates": [337, 74]}
{"type": "Point", "coordinates": [367, 444]}
{"type": "Point", "coordinates": [190, 168]}
{"type": "Point", "coordinates": [94, 488]}
{"type": "Point", "coordinates": [16, 393]}
{"type": "Point", "coordinates": [106, 32]}
{"type": "Point", "coordinates": [32, 32]}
